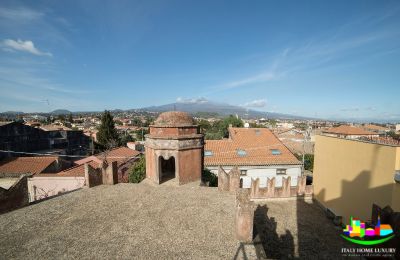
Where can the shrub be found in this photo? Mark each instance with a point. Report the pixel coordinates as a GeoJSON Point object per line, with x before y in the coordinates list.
{"type": "Point", "coordinates": [138, 172]}
{"type": "Point", "coordinates": [211, 178]}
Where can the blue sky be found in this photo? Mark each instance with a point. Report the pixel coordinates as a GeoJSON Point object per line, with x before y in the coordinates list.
{"type": "Point", "coordinates": [337, 59]}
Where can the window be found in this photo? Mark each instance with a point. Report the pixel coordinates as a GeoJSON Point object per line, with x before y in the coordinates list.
{"type": "Point", "coordinates": [280, 171]}
{"type": "Point", "coordinates": [275, 151]}
{"type": "Point", "coordinates": [243, 172]}
{"type": "Point", "coordinates": [258, 132]}
{"type": "Point", "coordinates": [241, 152]}
{"type": "Point", "coordinates": [208, 153]}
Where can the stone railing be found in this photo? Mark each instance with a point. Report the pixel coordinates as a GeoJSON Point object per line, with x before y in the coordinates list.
{"type": "Point", "coordinates": [107, 174]}
{"type": "Point", "coordinates": [231, 182]}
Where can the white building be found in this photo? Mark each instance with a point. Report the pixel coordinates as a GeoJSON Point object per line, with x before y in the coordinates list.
{"type": "Point", "coordinates": [257, 152]}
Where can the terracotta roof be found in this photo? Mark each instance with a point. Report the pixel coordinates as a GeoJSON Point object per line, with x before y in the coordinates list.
{"type": "Point", "coordinates": [20, 165]}
{"type": "Point", "coordinates": [375, 127]}
{"type": "Point", "coordinates": [78, 170]}
{"type": "Point", "coordinates": [119, 154]}
{"type": "Point", "coordinates": [54, 128]}
{"type": "Point", "coordinates": [347, 130]}
{"type": "Point", "coordinates": [174, 118]}
{"type": "Point", "coordinates": [257, 144]}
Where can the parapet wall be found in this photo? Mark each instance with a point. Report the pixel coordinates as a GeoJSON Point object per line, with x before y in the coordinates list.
{"type": "Point", "coordinates": [231, 182]}
{"type": "Point", "coordinates": [16, 196]}
{"type": "Point", "coordinates": [107, 174]}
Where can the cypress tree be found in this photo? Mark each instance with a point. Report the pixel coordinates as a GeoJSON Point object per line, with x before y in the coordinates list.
{"type": "Point", "coordinates": [107, 133]}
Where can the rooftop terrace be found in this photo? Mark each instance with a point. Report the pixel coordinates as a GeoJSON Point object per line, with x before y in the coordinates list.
{"type": "Point", "coordinates": [161, 222]}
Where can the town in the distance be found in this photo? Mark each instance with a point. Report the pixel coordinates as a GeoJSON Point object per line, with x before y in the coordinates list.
{"type": "Point", "coordinates": [306, 171]}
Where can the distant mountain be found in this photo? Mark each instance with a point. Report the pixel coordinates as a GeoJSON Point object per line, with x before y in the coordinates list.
{"type": "Point", "coordinates": [221, 108]}
{"type": "Point", "coordinates": [60, 112]}
{"type": "Point", "coordinates": [12, 112]}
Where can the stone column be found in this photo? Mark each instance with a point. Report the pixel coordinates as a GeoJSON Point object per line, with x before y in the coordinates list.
{"type": "Point", "coordinates": [254, 188]}
{"type": "Point", "coordinates": [223, 180]}
{"type": "Point", "coordinates": [301, 185]}
{"type": "Point", "coordinates": [286, 187]}
{"type": "Point", "coordinates": [234, 179]}
{"type": "Point", "coordinates": [244, 218]}
{"type": "Point", "coordinates": [271, 188]}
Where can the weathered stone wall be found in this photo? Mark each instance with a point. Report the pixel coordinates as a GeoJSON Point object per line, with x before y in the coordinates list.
{"type": "Point", "coordinates": [231, 182]}
{"type": "Point", "coordinates": [107, 175]}
{"type": "Point", "coordinates": [92, 176]}
{"type": "Point", "coordinates": [16, 196]}
{"type": "Point", "coordinates": [173, 131]}
{"type": "Point", "coordinates": [190, 166]}
{"type": "Point", "coordinates": [151, 171]}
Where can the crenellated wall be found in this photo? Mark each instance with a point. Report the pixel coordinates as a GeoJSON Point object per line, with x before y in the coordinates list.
{"type": "Point", "coordinates": [231, 182]}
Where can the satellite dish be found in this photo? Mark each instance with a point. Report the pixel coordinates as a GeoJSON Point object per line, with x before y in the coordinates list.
{"type": "Point", "coordinates": [246, 125]}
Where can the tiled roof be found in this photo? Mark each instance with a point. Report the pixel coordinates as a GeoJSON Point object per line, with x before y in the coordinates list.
{"type": "Point", "coordinates": [120, 155]}
{"type": "Point", "coordinates": [54, 128]}
{"type": "Point", "coordinates": [347, 130]}
{"type": "Point", "coordinates": [375, 127]}
{"type": "Point", "coordinates": [20, 165]}
{"type": "Point", "coordinates": [256, 143]}
{"type": "Point", "coordinates": [78, 170]}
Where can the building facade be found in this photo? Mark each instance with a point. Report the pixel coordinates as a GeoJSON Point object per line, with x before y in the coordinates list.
{"type": "Point", "coordinates": [351, 175]}
{"type": "Point", "coordinates": [257, 152]}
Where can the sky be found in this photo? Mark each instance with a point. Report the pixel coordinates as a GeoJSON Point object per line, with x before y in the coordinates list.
{"type": "Point", "coordinates": [326, 59]}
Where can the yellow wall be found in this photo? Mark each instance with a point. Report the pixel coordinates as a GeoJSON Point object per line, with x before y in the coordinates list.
{"type": "Point", "coordinates": [351, 175]}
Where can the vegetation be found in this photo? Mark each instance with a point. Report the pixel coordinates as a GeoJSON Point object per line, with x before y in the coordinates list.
{"type": "Point", "coordinates": [210, 178]}
{"type": "Point", "coordinates": [125, 138]}
{"type": "Point", "coordinates": [219, 129]}
{"type": "Point", "coordinates": [107, 135]}
{"type": "Point", "coordinates": [308, 161]}
{"type": "Point", "coordinates": [394, 135]}
{"type": "Point", "coordinates": [138, 172]}
{"type": "Point", "coordinates": [70, 119]}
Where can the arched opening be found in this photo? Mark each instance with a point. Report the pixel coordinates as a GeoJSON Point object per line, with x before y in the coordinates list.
{"type": "Point", "coordinates": [167, 169]}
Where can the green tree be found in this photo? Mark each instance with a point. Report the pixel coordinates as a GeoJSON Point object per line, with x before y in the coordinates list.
{"type": "Point", "coordinates": [125, 138]}
{"type": "Point", "coordinates": [138, 171]}
{"type": "Point", "coordinates": [209, 178]}
{"type": "Point", "coordinates": [231, 120]}
{"type": "Point", "coordinates": [107, 135]}
{"type": "Point", "coordinates": [70, 119]}
{"type": "Point", "coordinates": [204, 125]}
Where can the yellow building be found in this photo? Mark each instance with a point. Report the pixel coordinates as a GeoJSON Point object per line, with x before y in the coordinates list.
{"type": "Point", "coordinates": [351, 175]}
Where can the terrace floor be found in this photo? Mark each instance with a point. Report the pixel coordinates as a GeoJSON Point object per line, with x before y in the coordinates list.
{"type": "Point", "coordinates": [162, 222]}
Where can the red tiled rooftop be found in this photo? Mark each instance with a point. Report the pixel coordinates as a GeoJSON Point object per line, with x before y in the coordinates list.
{"type": "Point", "coordinates": [256, 142]}
{"type": "Point", "coordinates": [20, 165]}
{"type": "Point", "coordinates": [347, 130]}
{"type": "Point", "coordinates": [78, 170]}
{"type": "Point", "coordinates": [119, 154]}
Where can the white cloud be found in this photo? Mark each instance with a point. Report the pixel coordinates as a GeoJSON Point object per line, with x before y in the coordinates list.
{"type": "Point", "coordinates": [21, 14]}
{"type": "Point", "coordinates": [25, 46]}
{"type": "Point", "coordinates": [200, 100]}
{"type": "Point", "coordinates": [257, 78]}
{"type": "Point", "coordinates": [256, 103]}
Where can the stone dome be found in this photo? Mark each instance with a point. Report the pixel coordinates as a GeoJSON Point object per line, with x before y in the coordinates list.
{"type": "Point", "coordinates": [174, 118]}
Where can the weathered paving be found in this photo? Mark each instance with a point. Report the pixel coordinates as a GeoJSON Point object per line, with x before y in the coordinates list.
{"type": "Point", "coordinates": [143, 221]}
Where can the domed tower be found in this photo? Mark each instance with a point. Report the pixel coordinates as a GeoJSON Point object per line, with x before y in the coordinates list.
{"type": "Point", "coordinates": [174, 149]}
